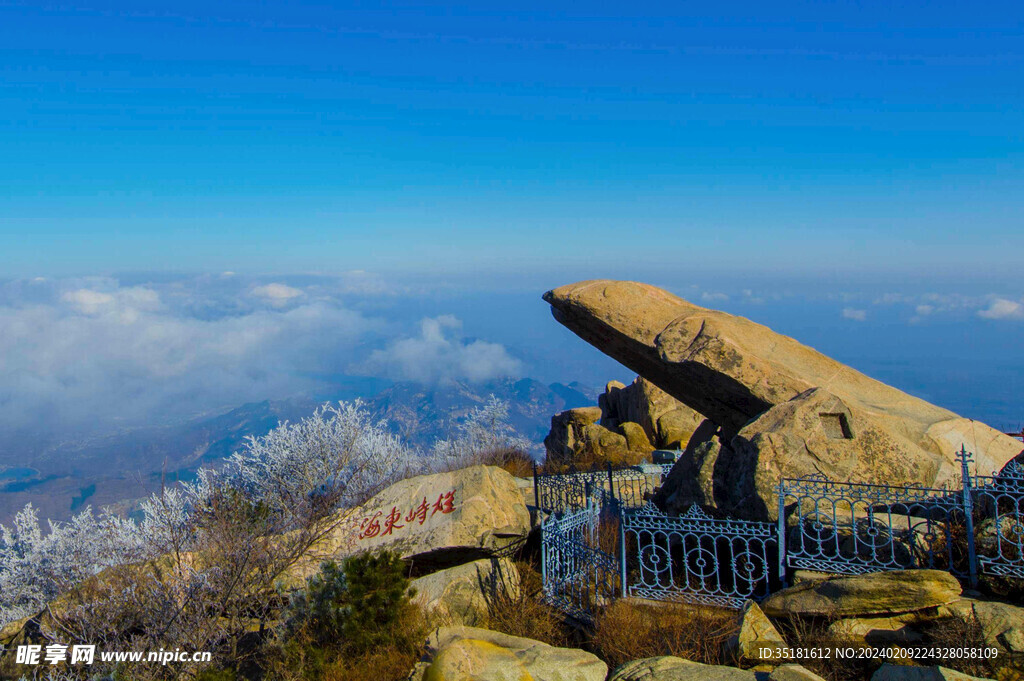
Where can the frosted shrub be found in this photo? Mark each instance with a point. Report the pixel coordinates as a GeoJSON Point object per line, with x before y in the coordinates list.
{"type": "Point", "coordinates": [36, 567]}
{"type": "Point", "coordinates": [229, 535]}
{"type": "Point", "coordinates": [337, 456]}
{"type": "Point", "coordinates": [481, 436]}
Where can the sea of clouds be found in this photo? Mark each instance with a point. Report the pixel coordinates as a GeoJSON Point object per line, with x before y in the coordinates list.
{"type": "Point", "coordinates": [89, 355]}
{"type": "Point", "coordinates": [86, 354]}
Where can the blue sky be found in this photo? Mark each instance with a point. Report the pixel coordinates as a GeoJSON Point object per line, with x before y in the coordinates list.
{"type": "Point", "coordinates": [387, 181]}
{"type": "Point", "coordinates": [813, 138]}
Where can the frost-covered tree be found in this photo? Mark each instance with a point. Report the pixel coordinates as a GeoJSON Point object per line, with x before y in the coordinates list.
{"type": "Point", "coordinates": [36, 567]}
{"type": "Point", "coordinates": [202, 564]}
{"type": "Point", "coordinates": [484, 432]}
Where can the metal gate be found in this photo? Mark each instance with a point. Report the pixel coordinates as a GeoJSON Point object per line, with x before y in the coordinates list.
{"type": "Point", "coordinates": [579, 576]}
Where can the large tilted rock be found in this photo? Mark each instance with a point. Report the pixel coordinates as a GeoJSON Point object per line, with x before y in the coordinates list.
{"type": "Point", "coordinates": [781, 408]}
{"type": "Point", "coordinates": [471, 654]}
{"type": "Point", "coordinates": [433, 521]}
{"type": "Point", "coordinates": [876, 593]}
{"type": "Point", "coordinates": [464, 594]}
{"type": "Point", "coordinates": [670, 668]}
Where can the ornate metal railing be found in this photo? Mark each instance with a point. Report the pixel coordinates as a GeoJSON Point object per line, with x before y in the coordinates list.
{"type": "Point", "coordinates": [603, 537]}
{"type": "Point", "coordinates": [558, 492]}
{"type": "Point", "coordinates": [578, 575]}
{"type": "Point", "coordinates": [999, 503]}
{"type": "Point", "coordinates": [852, 528]}
{"type": "Point", "coordinates": [694, 558]}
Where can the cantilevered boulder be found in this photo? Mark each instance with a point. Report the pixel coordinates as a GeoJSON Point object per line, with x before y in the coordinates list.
{"type": "Point", "coordinates": [782, 409]}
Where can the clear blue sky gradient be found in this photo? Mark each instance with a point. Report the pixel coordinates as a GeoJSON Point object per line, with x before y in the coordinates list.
{"type": "Point", "coordinates": [290, 136]}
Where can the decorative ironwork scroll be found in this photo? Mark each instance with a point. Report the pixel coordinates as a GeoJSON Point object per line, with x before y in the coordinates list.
{"type": "Point", "coordinates": [695, 558]}
{"type": "Point", "coordinates": [578, 575]}
{"type": "Point", "coordinates": [999, 504]}
{"type": "Point", "coordinates": [557, 492]}
{"type": "Point", "coordinates": [852, 528]}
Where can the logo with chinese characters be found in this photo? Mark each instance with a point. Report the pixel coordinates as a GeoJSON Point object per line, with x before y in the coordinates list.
{"type": "Point", "coordinates": [55, 654]}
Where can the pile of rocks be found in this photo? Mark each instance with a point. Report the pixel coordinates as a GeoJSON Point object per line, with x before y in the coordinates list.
{"type": "Point", "coordinates": [627, 425]}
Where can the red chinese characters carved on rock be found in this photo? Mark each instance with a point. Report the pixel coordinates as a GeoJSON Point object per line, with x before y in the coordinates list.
{"type": "Point", "coordinates": [382, 525]}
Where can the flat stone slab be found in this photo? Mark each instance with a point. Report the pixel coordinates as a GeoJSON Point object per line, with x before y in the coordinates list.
{"type": "Point", "coordinates": [877, 593]}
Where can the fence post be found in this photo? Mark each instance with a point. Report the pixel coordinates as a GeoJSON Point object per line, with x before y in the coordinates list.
{"type": "Point", "coordinates": [611, 483]}
{"type": "Point", "coordinates": [536, 492]}
{"type": "Point", "coordinates": [782, 531]}
{"type": "Point", "coordinates": [543, 560]}
{"type": "Point", "coordinates": [965, 474]}
{"type": "Point", "coordinates": [622, 552]}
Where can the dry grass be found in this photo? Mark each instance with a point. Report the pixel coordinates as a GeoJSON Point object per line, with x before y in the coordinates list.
{"type": "Point", "coordinates": [813, 633]}
{"type": "Point", "coordinates": [525, 614]}
{"type": "Point", "coordinates": [966, 632]}
{"type": "Point", "coordinates": [301, 658]}
{"type": "Point", "coordinates": [515, 461]}
{"type": "Point", "coordinates": [629, 630]}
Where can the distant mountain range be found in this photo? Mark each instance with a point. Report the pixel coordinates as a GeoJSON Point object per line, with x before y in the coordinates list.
{"type": "Point", "coordinates": [120, 469]}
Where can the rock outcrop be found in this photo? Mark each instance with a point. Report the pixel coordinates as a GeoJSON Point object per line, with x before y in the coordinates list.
{"type": "Point", "coordinates": [757, 637]}
{"type": "Point", "coordinates": [433, 521]}
{"type": "Point", "coordinates": [877, 631]}
{"type": "Point", "coordinates": [901, 672]}
{"type": "Point", "coordinates": [875, 593]}
{"type": "Point", "coordinates": [667, 422]}
{"type": "Point", "coordinates": [629, 423]}
{"type": "Point", "coordinates": [778, 408]}
{"type": "Point", "coordinates": [669, 668]}
{"type": "Point", "coordinates": [463, 595]}
{"type": "Point", "coordinates": [471, 654]}
{"type": "Point", "coordinates": [1002, 624]}
{"type": "Point", "coordinates": [567, 436]}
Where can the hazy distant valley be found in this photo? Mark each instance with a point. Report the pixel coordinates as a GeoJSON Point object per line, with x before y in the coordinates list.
{"type": "Point", "coordinates": [119, 468]}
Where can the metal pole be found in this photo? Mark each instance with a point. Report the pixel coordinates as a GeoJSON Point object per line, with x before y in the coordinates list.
{"type": "Point", "coordinates": [622, 553]}
{"type": "Point", "coordinates": [965, 473]}
{"type": "Point", "coordinates": [611, 482]}
{"type": "Point", "coordinates": [536, 491]}
{"type": "Point", "coordinates": [543, 559]}
{"type": "Point", "coordinates": [782, 532]}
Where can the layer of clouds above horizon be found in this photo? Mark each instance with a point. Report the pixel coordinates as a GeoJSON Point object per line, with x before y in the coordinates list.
{"type": "Point", "coordinates": [93, 354]}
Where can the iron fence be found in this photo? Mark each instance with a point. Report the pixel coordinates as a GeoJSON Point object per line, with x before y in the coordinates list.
{"type": "Point", "coordinates": [630, 487]}
{"type": "Point", "coordinates": [578, 575]}
{"type": "Point", "coordinates": [604, 538]}
{"type": "Point", "coordinates": [999, 502]}
{"type": "Point", "coordinates": [694, 558]}
{"type": "Point", "coordinates": [852, 528]}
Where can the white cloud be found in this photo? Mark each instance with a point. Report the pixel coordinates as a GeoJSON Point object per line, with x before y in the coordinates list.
{"type": "Point", "coordinates": [439, 353]}
{"type": "Point", "coordinates": [712, 297]}
{"type": "Point", "coordinates": [87, 301]}
{"type": "Point", "coordinates": [1002, 308]}
{"type": "Point", "coordinates": [82, 355]}
{"type": "Point", "coordinates": [855, 314]}
{"type": "Point", "coordinates": [276, 294]}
